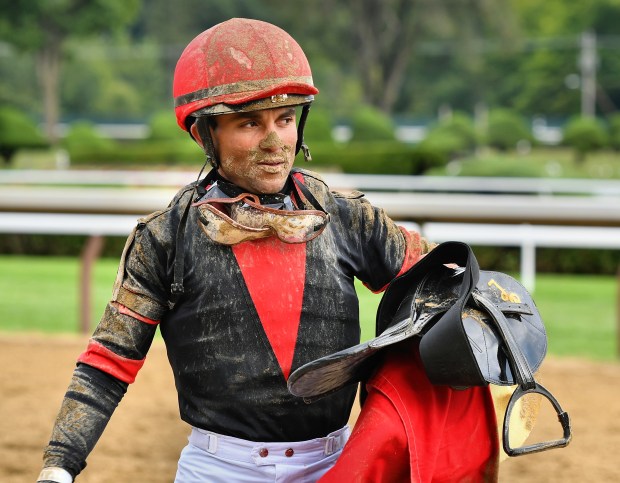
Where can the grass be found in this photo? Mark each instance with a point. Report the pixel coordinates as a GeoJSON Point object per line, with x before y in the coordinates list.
{"type": "Point", "coordinates": [580, 314]}
{"type": "Point", "coordinates": [40, 294]}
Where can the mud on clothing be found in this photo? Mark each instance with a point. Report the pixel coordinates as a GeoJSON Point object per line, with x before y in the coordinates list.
{"type": "Point", "coordinates": [248, 315]}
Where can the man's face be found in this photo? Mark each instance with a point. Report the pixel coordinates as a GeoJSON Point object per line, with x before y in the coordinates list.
{"type": "Point", "coordinates": [256, 149]}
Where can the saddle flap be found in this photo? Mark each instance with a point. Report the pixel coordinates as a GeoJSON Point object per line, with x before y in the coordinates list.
{"type": "Point", "coordinates": [510, 326]}
{"type": "Point", "coordinates": [498, 337]}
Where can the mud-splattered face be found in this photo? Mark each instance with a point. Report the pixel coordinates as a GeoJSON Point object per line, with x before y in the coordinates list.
{"type": "Point", "coordinates": [256, 149]}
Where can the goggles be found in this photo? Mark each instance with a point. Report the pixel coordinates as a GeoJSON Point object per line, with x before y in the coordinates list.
{"type": "Point", "coordinates": [229, 221]}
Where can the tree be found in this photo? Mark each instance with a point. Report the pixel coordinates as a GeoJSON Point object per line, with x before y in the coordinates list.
{"type": "Point", "coordinates": [44, 26]}
{"type": "Point", "coordinates": [506, 128]}
{"type": "Point", "coordinates": [584, 135]}
{"type": "Point", "coordinates": [17, 132]}
{"type": "Point", "coordinates": [554, 30]}
{"type": "Point", "coordinates": [386, 34]}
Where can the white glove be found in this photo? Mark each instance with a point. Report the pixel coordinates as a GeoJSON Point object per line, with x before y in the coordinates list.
{"type": "Point", "coordinates": [56, 474]}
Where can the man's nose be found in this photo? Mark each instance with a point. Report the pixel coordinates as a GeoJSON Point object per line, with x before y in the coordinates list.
{"type": "Point", "coordinates": [271, 142]}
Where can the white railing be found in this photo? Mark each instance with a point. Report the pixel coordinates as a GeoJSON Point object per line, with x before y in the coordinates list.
{"type": "Point", "coordinates": [95, 226]}
{"type": "Point", "coordinates": [526, 237]}
{"type": "Point", "coordinates": [524, 213]}
{"type": "Point", "coordinates": [362, 182]}
{"type": "Point", "coordinates": [419, 207]}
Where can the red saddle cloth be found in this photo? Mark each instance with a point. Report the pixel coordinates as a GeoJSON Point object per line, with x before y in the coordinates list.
{"type": "Point", "coordinates": [411, 430]}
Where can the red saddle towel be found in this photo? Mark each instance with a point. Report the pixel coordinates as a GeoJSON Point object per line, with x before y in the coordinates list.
{"type": "Point", "coordinates": [411, 430]}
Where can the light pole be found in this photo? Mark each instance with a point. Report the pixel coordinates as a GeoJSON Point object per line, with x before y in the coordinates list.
{"type": "Point", "coordinates": [588, 62]}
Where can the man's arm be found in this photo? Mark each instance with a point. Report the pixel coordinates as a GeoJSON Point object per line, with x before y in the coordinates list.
{"type": "Point", "coordinates": [86, 408]}
{"type": "Point", "coordinates": [110, 363]}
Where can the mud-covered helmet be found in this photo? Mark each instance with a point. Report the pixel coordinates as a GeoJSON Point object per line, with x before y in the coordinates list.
{"type": "Point", "coordinates": [241, 65]}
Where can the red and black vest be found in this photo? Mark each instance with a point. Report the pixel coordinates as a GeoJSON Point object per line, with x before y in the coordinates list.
{"type": "Point", "coordinates": [252, 313]}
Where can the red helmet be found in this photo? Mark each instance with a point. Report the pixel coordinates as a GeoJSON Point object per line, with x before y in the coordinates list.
{"type": "Point", "coordinates": [237, 62]}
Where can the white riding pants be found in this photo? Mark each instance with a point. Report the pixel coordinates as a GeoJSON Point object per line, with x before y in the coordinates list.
{"type": "Point", "coordinates": [214, 458]}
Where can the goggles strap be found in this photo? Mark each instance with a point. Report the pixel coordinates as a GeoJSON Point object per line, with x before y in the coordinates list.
{"type": "Point", "coordinates": [176, 289]}
{"type": "Point", "coordinates": [306, 192]}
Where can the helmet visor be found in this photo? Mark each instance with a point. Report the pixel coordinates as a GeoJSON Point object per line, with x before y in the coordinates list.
{"type": "Point", "coordinates": [278, 100]}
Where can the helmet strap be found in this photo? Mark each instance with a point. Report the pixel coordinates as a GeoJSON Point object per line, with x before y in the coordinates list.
{"type": "Point", "coordinates": [301, 145]}
{"type": "Point", "coordinates": [202, 123]}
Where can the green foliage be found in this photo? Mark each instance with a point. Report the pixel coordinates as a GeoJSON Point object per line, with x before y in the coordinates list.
{"type": "Point", "coordinates": [82, 139]}
{"type": "Point", "coordinates": [501, 167]}
{"type": "Point", "coordinates": [552, 260]}
{"type": "Point", "coordinates": [380, 157]}
{"type": "Point", "coordinates": [371, 124]}
{"type": "Point", "coordinates": [55, 246]}
{"type": "Point", "coordinates": [539, 75]}
{"type": "Point", "coordinates": [437, 150]}
{"type": "Point", "coordinates": [430, 155]}
{"type": "Point", "coordinates": [556, 161]}
{"type": "Point", "coordinates": [613, 122]}
{"type": "Point", "coordinates": [143, 153]}
{"type": "Point", "coordinates": [44, 28]}
{"type": "Point", "coordinates": [459, 126]}
{"type": "Point", "coordinates": [506, 128]}
{"type": "Point", "coordinates": [17, 131]}
{"type": "Point", "coordinates": [31, 25]}
{"type": "Point", "coordinates": [163, 127]}
{"type": "Point", "coordinates": [319, 126]}
{"type": "Point", "coordinates": [114, 80]}
{"type": "Point", "coordinates": [118, 58]}
{"type": "Point", "coordinates": [451, 138]}
{"type": "Point", "coordinates": [584, 135]}
{"type": "Point", "coordinates": [572, 260]}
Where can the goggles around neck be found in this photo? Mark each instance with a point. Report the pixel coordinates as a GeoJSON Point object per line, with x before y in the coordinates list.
{"type": "Point", "coordinates": [230, 221]}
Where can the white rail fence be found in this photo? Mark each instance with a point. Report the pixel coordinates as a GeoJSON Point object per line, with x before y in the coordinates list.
{"type": "Point", "coordinates": [523, 213]}
{"type": "Point", "coordinates": [362, 182]}
{"type": "Point", "coordinates": [527, 237]}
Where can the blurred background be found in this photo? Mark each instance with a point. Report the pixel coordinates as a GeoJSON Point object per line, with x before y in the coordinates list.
{"type": "Point", "coordinates": [453, 78]}
{"type": "Point", "coordinates": [436, 98]}
{"type": "Point", "coordinates": [494, 122]}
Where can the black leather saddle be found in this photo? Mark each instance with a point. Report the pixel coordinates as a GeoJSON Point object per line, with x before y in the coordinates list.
{"type": "Point", "coordinates": [476, 328]}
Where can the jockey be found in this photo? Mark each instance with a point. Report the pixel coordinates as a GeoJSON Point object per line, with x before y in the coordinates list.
{"type": "Point", "coordinates": [248, 274]}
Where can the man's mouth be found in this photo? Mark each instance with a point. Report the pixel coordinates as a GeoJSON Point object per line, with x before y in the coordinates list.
{"type": "Point", "coordinates": [271, 162]}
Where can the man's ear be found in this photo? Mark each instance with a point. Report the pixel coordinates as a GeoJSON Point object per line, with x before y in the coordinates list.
{"type": "Point", "coordinates": [194, 132]}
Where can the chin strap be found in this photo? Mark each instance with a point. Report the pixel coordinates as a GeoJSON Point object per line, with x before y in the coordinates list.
{"type": "Point", "coordinates": [301, 145]}
{"type": "Point", "coordinates": [202, 124]}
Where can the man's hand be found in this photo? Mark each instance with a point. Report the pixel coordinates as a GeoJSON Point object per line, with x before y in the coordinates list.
{"type": "Point", "coordinates": [54, 475]}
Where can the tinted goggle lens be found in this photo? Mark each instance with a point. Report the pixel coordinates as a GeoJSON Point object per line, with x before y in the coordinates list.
{"type": "Point", "coordinates": [248, 220]}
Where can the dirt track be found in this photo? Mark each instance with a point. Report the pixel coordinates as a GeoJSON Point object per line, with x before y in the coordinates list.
{"type": "Point", "coordinates": [145, 435]}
